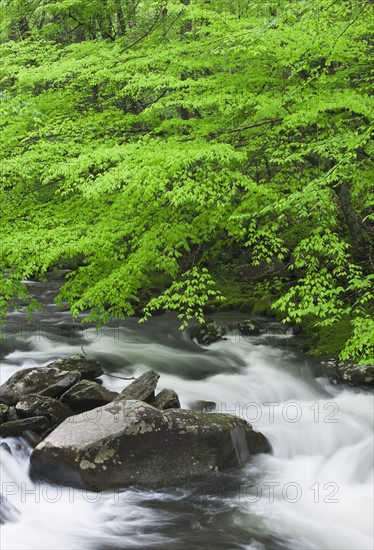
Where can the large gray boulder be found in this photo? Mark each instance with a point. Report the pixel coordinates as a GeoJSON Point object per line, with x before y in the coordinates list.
{"type": "Point", "coordinates": [51, 382]}
{"type": "Point", "coordinates": [129, 442]}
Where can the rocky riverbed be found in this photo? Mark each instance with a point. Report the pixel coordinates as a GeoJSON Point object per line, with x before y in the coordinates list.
{"type": "Point", "coordinates": [88, 436]}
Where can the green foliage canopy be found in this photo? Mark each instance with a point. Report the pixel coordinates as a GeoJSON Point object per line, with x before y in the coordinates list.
{"type": "Point", "coordinates": [142, 141]}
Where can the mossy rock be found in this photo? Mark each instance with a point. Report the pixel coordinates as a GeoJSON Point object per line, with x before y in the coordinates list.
{"type": "Point", "coordinates": [132, 443]}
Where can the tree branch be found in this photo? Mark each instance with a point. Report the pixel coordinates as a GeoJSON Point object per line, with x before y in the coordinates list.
{"type": "Point", "coordinates": [254, 125]}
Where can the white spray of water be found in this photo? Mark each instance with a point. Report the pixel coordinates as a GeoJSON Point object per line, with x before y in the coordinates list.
{"type": "Point", "coordinates": [314, 491]}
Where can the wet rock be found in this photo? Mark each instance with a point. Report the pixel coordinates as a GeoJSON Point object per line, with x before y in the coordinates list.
{"type": "Point", "coordinates": [9, 344]}
{"type": "Point", "coordinates": [143, 388]}
{"type": "Point", "coordinates": [132, 443]}
{"type": "Point", "coordinates": [12, 414]}
{"type": "Point", "coordinates": [208, 333]}
{"type": "Point", "coordinates": [345, 372]}
{"type": "Point", "coordinates": [42, 380]}
{"type": "Point", "coordinates": [360, 375]}
{"type": "Point", "coordinates": [32, 438]}
{"type": "Point", "coordinates": [41, 405]}
{"type": "Point", "coordinates": [166, 399]}
{"type": "Point", "coordinates": [5, 446]}
{"type": "Point", "coordinates": [88, 368]}
{"type": "Point", "coordinates": [329, 371]}
{"type": "Point", "coordinates": [249, 328]}
{"type": "Point", "coordinates": [3, 412]}
{"type": "Point", "coordinates": [16, 428]}
{"type": "Point", "coordinates": [87, 395]}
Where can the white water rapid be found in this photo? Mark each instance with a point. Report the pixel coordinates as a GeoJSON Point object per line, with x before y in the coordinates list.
{"type": "Point", "coordinates": [315, 491]}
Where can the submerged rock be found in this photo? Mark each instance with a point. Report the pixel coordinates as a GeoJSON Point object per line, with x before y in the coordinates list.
{"type": "Point", "coordinates": [51, 382]}
{"type": "Point", "coordinates": [132, 443]}
{"type": "Point", "coordinates": [204, 406]}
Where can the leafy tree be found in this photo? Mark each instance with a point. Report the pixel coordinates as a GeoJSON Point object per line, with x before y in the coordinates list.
{"type": "Point", "coordinates": [152, 145]}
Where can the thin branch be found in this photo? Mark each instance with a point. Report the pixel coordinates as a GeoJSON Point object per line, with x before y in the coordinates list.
{"type": "Point", "coordinates": [40, 187]}
{"type": "Point", "coordinates": [254, 125]}
{"type": "Point", "coordinates": [151, 28]}
{"type": "Point", "coordinates": [120, 377]}
{"type": "Point", "coordinates": [346, 28]}
{"type": "Point", "coordinates": [83, 351]}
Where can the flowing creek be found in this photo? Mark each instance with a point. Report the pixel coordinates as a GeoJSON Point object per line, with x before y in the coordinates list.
{"type": "Point", "coordinates": [314, 492]}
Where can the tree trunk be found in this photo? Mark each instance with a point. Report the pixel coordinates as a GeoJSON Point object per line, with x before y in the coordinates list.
{"type": "Point", "coordinates": [352, 222]}
{"type": "Point", "coordinates": [187, 27]}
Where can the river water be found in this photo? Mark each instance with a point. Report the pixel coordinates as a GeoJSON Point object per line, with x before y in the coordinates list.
{"type": "Point", "coordinates": [315, 491]}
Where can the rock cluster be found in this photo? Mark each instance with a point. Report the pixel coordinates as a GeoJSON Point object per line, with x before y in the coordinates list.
{"type": "Point", "coordinates": [90, 437]}
{"type": "Point", "coordinates": [346, 372]}
{"type": "Point", "coordinates": [212, 331]}
{"type": "Point", "coordinates": [34, 401]}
